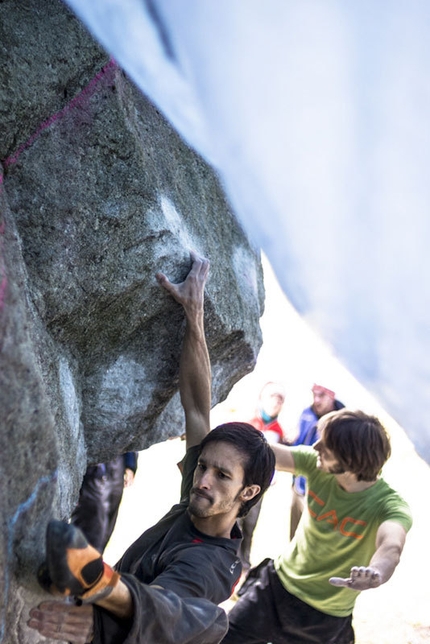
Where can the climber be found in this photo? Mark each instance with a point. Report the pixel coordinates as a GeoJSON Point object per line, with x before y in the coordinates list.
{"type": "Point", "coordinates": [167, 586]}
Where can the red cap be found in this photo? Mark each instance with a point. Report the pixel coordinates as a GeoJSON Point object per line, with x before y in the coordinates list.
{"type": "Point", "coordinates": [319, 389]}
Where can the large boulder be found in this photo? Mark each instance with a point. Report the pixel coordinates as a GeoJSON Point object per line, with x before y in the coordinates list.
{"type": "Point", "coordinates": [318, 121]}
{"type": "Point", "coordinates": [97, 193]}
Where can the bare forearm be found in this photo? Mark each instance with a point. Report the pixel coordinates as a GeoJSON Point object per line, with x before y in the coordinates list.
{"type": "Point", "coordinates": [389, 545]}
{"type": "Point", "coordinates": [284, 458]}
{"type": "Point", "coordinates": [195, 380]}
{"type": "Point", "coordinates": [385, 561]}
{"type": "Point", "coordinates": [194, 366]}
{"type": "Point", "coordinates": [390, 541]}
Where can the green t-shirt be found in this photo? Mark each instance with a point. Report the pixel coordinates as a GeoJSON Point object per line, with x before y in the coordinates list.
{"type": "Point", "coordinates": [338, 532]}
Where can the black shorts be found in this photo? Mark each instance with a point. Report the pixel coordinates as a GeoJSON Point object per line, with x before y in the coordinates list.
{"type": "Point", "coordinates": [267, 612]}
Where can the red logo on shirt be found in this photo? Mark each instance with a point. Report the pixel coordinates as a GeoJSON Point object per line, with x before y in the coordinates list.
{"type": "Point", "coordinates": [345, 526]}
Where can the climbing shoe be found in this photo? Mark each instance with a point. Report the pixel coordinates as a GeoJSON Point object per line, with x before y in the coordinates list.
{"type": "Point", "coordinates": [73, 566]}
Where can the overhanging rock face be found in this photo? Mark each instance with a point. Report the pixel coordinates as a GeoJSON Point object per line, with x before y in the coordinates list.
{"type": "Point", "coordinates": [97, 193]}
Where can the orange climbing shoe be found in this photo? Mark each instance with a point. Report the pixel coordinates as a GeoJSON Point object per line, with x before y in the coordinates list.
{"type": "Point", "coordinates": [73, 566]}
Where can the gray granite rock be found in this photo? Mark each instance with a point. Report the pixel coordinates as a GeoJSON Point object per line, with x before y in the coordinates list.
{"type": "Point", "coordinates": [97, 193]}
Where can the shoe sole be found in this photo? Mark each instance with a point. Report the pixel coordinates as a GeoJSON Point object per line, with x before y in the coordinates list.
{"type": "Point", "coordinates": [61, 538]}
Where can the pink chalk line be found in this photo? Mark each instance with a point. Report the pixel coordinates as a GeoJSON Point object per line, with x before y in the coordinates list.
{"type": "Point", "coordinates": [10, 160]}
{"type": "Point", "coordinates": [88, 90]}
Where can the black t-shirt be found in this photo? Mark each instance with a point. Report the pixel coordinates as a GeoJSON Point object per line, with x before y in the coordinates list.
{"type": "Point", "coordinates": [196, 572]}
